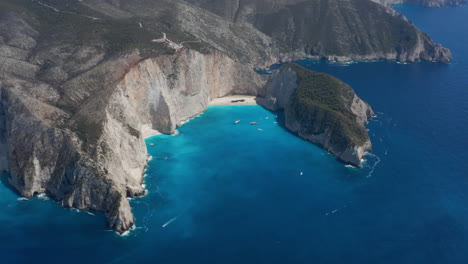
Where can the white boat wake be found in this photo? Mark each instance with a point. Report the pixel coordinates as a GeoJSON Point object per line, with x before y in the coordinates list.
{"type": "Point", "coordinates": [170, 221]}
{"type": "Point", "coordinates": [148, 215]}
{"type": "Point", "coordinates": [373, 166]}
{"type": "Point", "coordinates": [335, 210]}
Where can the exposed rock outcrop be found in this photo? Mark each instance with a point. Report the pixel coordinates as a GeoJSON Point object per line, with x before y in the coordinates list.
{"type": "Point", "coordinates": [320, 109]}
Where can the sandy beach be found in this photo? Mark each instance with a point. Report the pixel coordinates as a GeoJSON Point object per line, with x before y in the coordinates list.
{"type": "Point", "coordinates": [249, 100]}
{"type": "Point", "coordinates": [147, 131]}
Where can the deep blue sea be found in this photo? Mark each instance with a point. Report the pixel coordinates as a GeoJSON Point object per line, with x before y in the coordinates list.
{"type": "Point", "coordinates": [225, 193]}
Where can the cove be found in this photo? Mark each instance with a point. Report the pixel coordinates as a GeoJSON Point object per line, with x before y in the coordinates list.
{"type": "Point", "coordinates": [235, 194]}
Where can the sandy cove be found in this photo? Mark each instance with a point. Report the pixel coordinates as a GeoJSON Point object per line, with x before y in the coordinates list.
{"type": "Point", "coordinates": [227, 100]}
{"type": "Point", "coordinates": [147, 131]}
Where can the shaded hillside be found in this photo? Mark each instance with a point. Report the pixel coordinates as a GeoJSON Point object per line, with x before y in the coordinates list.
{"type": "Point", "coordinates": [333, 29]}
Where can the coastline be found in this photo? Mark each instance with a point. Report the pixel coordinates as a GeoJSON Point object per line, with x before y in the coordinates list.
{"type": "Point", "coordinates": [226, 100]}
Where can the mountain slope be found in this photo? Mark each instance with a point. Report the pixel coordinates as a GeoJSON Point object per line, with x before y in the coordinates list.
{"type": "Point", "coordinates": [339, 30]}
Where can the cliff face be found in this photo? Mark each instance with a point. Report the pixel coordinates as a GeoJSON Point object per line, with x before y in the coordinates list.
{"type": "Point", "coordinates": [168, 90]}
{"type": "Point", "coordinates": [160, 94]}
{"type": "Point", "coordinates": [47, 159]}
{"type": "Point", "coordinates": [320, 109]}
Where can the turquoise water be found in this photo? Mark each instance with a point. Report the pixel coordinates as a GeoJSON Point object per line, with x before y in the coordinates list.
{"type": "Point", "coordinates": [225, 193]}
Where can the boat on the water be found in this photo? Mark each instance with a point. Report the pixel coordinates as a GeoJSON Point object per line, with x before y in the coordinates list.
{"type": "Point", "coordinates": [237, 122]}
{"type": "Point", "coordinates": [253, 123]}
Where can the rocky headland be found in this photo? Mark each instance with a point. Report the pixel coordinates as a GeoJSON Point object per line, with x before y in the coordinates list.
{"type": "Point", "coordinates": [321, 109]}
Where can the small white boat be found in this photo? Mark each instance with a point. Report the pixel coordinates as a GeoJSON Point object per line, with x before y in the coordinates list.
{"type": "Point", "coordinates": [169, 222]}
{"type": "Point", "coordinates": [237, 122]}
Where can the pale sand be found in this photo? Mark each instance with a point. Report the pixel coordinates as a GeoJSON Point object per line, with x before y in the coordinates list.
{"type": "Point", "coordinates": [249, 100]}
{"type": "Point", "coordinates": [147, 131]}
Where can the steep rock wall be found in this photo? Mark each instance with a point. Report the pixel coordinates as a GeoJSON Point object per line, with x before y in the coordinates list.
{"type": "Point", "coordinates": [169, 90]}
{"type": "Point", "coordinates": [161, 93]}
{"type": "Point", "coordinates": [47, 159]}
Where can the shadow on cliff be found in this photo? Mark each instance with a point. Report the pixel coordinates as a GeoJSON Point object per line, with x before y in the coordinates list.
{"type": "Point", "coordinates": [280, 118]}
{"type": "Point", "coordinates": [6, 184]}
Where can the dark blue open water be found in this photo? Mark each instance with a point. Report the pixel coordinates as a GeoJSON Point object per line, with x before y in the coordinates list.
{"type": "Point", "coordinates": [233, 194]}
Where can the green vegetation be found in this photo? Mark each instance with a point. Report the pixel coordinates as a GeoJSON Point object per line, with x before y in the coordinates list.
{"type": "Point", "coordinates": [133, 131]}
{"type": "Point", "coordinates": [89, 132]}
{"type": "Point", "coordinates": [322, 103]}
{"type": "Point", "coordinates": [76, 26]}
{"type": "Point", "coordinates": [328, 27]}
